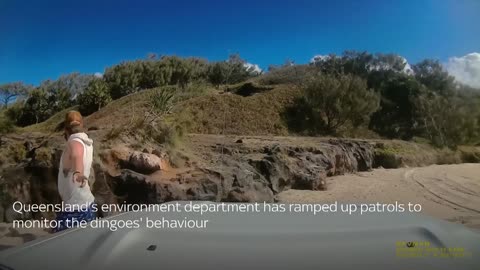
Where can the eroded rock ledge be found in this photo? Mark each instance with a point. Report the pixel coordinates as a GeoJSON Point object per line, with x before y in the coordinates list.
{"type": "Point", "coordinates": [238, 172]}
{"type": "Point", "coordinates": [233, 170]}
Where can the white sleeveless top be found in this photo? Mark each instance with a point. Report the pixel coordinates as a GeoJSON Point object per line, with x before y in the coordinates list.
{"type": "Point", "coordinates": [70, 191]}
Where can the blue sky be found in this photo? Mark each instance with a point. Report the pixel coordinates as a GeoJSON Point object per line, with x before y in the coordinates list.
{"type": "Point", "coordinates": [44, 39]}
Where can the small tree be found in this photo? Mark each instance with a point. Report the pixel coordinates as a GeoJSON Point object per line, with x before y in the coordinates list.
{"type": "Point", "coordinates": [447, 121]}
{"type": "Point", "coordinates": [395, 118]}
{"type": "Point", "coordinates": [6, 124]}
{"type": "Point", "coordinates": [238, 69]}
{"type": "Point", "coordinates": [36, 108]}
{"type": "Point", "coordinates": [58, 94]}
{"type": "Point", "coordinates": [233, 70]}
{"type": "Point", "coordinates": [10, 91]}
{"type": "Point", "coordinates": [180, 70]}
{"type": "Point", "coordinates": [218, 73]}
{"type": "Point", "coordinates": [14, 111]}
{"type": "Point", "coordinates": [334, 101]}
{"type": "Point", "coordinates": [432, 74]}
{"type": "Point", "coordinates": [124, 78]}
{"type": "Point", "coordinates": [74, 83]}
{"type": "Point", "coordinates": [95, 96]}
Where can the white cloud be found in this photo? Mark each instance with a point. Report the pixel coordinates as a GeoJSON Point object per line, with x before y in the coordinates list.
{"type": "Point", "coordinates": [318, 58]}
{"type": "Point", "coordinates": [407, 69]}
{"type": "Point", "coordinates": [253, 67]}
{"type": "Point", "coordinates": [98, 75]}
{"type": "Point", "coordinates": [465, 69]}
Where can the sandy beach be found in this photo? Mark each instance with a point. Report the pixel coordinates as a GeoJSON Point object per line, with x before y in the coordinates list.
{"type": "Point", "coordinates": [449, 192]}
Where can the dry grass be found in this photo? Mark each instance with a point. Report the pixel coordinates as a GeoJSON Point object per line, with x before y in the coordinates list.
{"type": "Point", "coordinates": [52, 124]}
{"type": "Point", "coordinates": [121, 112]}
{"type": "Point", "coordinates": [469, 154]}
{"type": "Point", "coordinates": [17, 152]}
{"type": "Point", "coordinates": [44, 154]}
{"type": "Point", "coordinates": [259, 114]}
{"type": "Point", "coordinates": [129, 110]}
{"type": "Point", "coordinates": [396, 153]}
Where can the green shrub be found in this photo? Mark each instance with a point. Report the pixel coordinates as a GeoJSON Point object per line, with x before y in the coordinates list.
{"type": "Point", "coordinates": [161, 100]}
{"type": "Point", "coordinates": [449, 120]}
{"type": "Point", "coordinates": [447, 156]}
{"type": "Point", "coordinates": [95, 97]}
{"type": "Point", "coordinates": [330, 102]}
{"type": "Point", "coordinates": [231, 71]}
{"type": "Point", "coordinates": [387, 159]}
{"type": "Point", "coordinates": [160, 103]}
{"type": "Point", "coordinates": [36, 108]}
{"type": "Point", "coordinates": [6, 125]}
{"type": "Point", "coordinates": [395, 117]}
{"type": "Point", "coordinates": [470, 154]}
{"type": "Point", "coordinates": [133, 76]}
{"type": "Point", "coordinates": [14, 112]}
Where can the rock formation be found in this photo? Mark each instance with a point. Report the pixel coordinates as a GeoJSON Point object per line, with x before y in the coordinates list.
{"type": "Point", "coordinates": [251, 171]}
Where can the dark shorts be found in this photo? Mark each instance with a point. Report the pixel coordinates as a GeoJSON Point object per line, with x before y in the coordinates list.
{"type": "Point", "coordinates": [67, 220]}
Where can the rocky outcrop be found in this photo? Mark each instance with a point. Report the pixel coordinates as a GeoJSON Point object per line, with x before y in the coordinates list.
{"type": "Point", "coordinates": [196, 185]}
{"type": "Point", "coordinates": [242, 170]}
{"type": "Point", "coordinates": [144, 162]}
{"type": "Point", "coordinates": [236, 182]}
{"type": "Point", "coordinates": [307, 167]}
{"type": "Point", "coordinates": [239, 172]}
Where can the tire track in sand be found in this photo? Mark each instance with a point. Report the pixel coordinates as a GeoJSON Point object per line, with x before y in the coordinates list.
{"type": "Point", "coordinates": [435, 181]}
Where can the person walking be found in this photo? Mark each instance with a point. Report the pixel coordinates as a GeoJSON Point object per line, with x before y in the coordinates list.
{"type": "Point", "coordinates": [74, 171]}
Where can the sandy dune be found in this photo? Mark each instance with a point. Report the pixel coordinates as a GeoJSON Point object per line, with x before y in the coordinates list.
{"type": "Point", "coordinates": [450, 192]}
